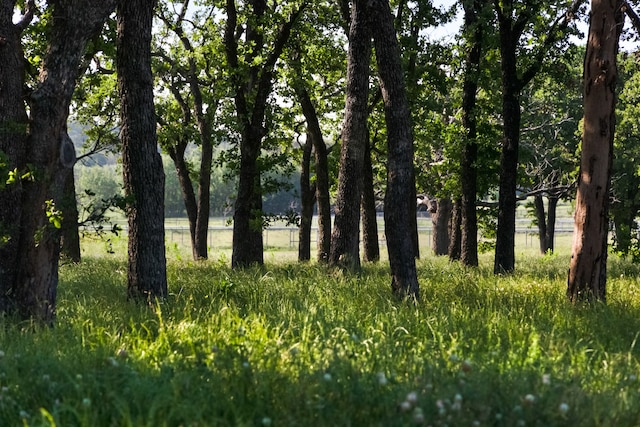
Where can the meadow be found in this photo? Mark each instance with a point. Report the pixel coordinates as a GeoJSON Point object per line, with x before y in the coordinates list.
{"type": "Point", "coordinates": [294, 344]}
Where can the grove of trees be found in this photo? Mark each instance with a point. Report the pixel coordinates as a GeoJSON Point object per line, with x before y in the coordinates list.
{"type": "Point", "coordinates": [360, 102]}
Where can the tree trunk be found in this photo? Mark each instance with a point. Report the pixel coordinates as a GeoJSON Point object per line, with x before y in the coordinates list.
{"type": "Point", "coordinates": [49, 155]}
{"type": "Point", "coordinates": [307, 199]}
{"type": "Point", "coordinates": [440, 219]}
{"type": "Point", "coordinates": [252, 84]}
{"type": "Point", "coordinates": [142, 165]}
{"type": "Point", "coordinates": [70, 240]}
{"type": "Point", "coordinates": [400, 198]}
{"type": "Point", "coordinates": [369, 215]}
{"type": "Point", "coordinates": [345, 238]}
{"type": "Point", "coordinates": [551, 223]}
{"type": "Point", "coordinates": [176, 153]}
{"type": "Point", "coordinates": [541, 219]}
{"type": "Point", "coordinates": [469, 169]}
{"type": "Point", "coordinates": [505, 234]}
{"type": "Point", "coordinates": [588, 266]}
{"type": "Point", "coordinates": [247, 217]}
{"type": "Point", "coordinates": [13, 136]}
{"type": "Point", "coordinates": [455, 237]}
{"type": "Point", "coordinates": [315, 139]}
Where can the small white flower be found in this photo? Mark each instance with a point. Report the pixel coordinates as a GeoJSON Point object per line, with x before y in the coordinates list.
{"type": "Point", "coordinates": [5, 389]}
{"type": "Point", "coordinates": [327, 376]}
{"type": "Point", "coordinates": [24, 414]}
{"type": "Point", "coordinates": [475, 423]}
{"type": "Point", "coordinates": [529, 399]}
{"type": "Point", "coordinates": [632, 377]}
{"type": "Point", "coordinates": [546, 379]}
{"type": "Point", "coordinates": [405, 406]}
{"type": "Point", "coordinates": [86, 402]}
{"type": "Point", "coordinates": [112, 361]}
{"type": "Point", "coordinates": [412, 397]}
{"type": "Point", "coordinates": [1, 353]}
{"type": "Point", "coordinates": [46, 377]}
{"type": "Point", "coordinates": [266, 421]}
{"type": "Point", "coordinates": [457, 398]}
{"type": "Point", "coordinates": [78, 377]}
{"type": "Point", "coordinates": [563, 408]}
{"type": "Point", "coordinates": [245, 365]}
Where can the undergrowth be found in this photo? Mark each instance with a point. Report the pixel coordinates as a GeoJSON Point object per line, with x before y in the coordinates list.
{"type": "Point", "coordinates": [300, 345]}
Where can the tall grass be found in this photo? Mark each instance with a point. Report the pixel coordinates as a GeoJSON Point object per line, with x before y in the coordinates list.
{"type": "Point", "coordinates": [300, 345]}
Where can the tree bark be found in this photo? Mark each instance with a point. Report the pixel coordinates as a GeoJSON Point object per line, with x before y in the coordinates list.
{"type": "Point", "coordinates": [505, 234]}
{"type": "Point", "coordinates": [70, 239]}
{"type": "Point", "coordinates": [400, 198]}
{"type": "Point", "coordinates": [369, 214]}
{"type": "Point", "coordinates": [252, 86]}
{"type": "Point", "coordinates": [469, 170]}
{"type": "Point", "coordinates": [588, 266]}
{"type": "Point", "coordinates": [541, 219]}
{"type": "Point", "coordinates": [455, 236]}
{"type": "Point", "coordinates": [13, 136]}
{"type": "Point", "coordinates": [440, 219]}
{"type": "Point", "coordinates": [307, 199]}
{"type": "Point", "coordinates": [345, 237]}
{"type": "Point", "coordinates": [142, 165]}
{"type": "Point", "coordinates": [316, 140]}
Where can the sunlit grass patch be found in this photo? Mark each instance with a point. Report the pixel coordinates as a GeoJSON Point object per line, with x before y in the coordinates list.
{"type": "Point", "coordinates": [299, 344]}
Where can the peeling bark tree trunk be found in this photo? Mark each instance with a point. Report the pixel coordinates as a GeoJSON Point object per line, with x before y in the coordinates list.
{"type": "Point", "coordinates": [345, 237]}
{"type": "Point", "coordinates": [142, 165]}
{"type": "Point", "coordinates": [369, 214]}
{"type": "Point", "coordinates": [588, 267]}
{"type": "Point", "coordinates": [400, 198]}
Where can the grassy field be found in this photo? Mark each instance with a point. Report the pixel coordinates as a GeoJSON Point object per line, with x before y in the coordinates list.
{"type": "Point", "coordinates": [299, 345]}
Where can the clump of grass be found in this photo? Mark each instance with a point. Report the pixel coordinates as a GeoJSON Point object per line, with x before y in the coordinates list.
{"type": "Point", "coordinates": [291, 344]}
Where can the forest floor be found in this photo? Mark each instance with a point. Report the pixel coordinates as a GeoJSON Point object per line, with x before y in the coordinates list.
{"type": "Point", "coordinates": [294, 344]}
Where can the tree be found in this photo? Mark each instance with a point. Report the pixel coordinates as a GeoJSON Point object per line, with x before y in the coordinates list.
{"type": "Point", "coordinates": [188, 80]}
{"type": "Point", "coordinates": [474, 32]}
{"type": "Point", "coordinates": [345, 237]}
{"type": "Point", "coordinates": [32, 272]}
{"type": "Point", "coordinates": [514, 19]}
{"type": "Point", "coordinates": [142, 164]}
{"type": "Point", "coordinates": [588, 267]}
{"type": "Point", "coordinates": [251, 77]}
{"type": "Point", "coordinates": [400, 205]}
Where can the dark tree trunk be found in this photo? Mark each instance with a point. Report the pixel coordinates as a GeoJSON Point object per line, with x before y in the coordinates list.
{"type": "Point", "coordinates": [345, 238]}
{"type": "Point", "coordinates": [440, 219]}
{"type": "Point", "coordinates": [48, 153]}
{"type": "Point", "coordinates": [252, 85]}
{"type": "Point", "coordinates": [400, 200]}
{"type": "Point", "coordinates": [505, 233]}
{"type": "Point", "coordinates": [588, 268]}
{"type": "Point", "coordinates": [455, 237]}
{"type": "Point", "coordinates": [13, 136]}
{"type": "Point", "coordinates": [469, 169]}
{"type": "Point", "coordinates": [247, 217]}
{"type": "Point", "coordinates": [316, 140]}
{"type": "Point", "coordinates": [70, 241]}
{"type": "Point", "coordinates": [369, 215]}
{"type": "Point", "coordinates": [307, 199]}
{"type": "Point", "coordinates": [142, 165]}
{"type": "Point", "coordinates": [551, 223]}
{"type": "Point", "coordinates": [323, 199]}
{"type": "Point", "coordinates": [176, 153]}
{"type": "Point", "coordinates": [541, 219]}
